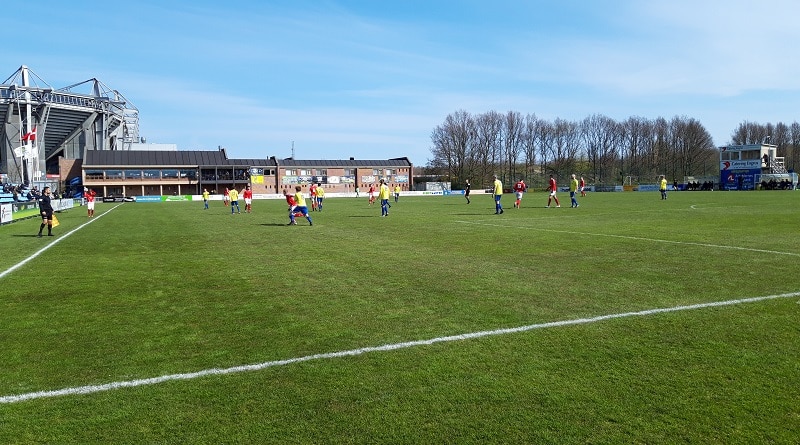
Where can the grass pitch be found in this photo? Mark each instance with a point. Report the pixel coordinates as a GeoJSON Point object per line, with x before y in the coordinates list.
{"type": "Point", "coordinates": [147, 290]}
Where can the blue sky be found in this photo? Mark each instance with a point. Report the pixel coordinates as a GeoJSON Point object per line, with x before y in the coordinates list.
{"type": "Point", "coordinates": [372, 79]}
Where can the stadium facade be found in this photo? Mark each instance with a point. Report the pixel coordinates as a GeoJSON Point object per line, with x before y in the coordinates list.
{"type": "Point", "coordinates": [87, 134]}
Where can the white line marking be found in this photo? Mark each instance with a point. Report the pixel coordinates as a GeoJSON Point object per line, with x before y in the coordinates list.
{"type": "Point", "coordinates": [53, 243]}
{"type": "Point", "coordinates": [637, 238]}
{"type": "Point", "coordinates": [90, 389]}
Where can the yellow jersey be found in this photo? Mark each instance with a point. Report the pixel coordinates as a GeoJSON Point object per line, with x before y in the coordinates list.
{"type": "Point", "coordinates": [384, 193]}
{"type": "Point", "coordinates": [300, 199]}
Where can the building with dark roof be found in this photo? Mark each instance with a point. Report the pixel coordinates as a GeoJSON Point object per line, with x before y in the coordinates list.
{"type": "Point", "coordinates": [148, 173]}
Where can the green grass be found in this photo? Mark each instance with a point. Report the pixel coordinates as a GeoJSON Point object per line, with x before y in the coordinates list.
{"type": "Point", "coordinates": [154, 289]}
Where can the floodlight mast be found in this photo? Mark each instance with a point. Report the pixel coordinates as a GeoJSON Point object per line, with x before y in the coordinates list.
{"type": "Point", "coordinates": [30, 157]}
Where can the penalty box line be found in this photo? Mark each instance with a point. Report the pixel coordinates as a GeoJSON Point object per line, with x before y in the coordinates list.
{"type": "Point", "coordinates": [90, 389]}
{"type": "Point", "coordinates": [635, 238]}
{"type": "Point", "coordinates": [53, 243]}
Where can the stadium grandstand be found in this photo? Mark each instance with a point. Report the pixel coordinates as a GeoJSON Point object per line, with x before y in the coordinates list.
{"type": "Point", "coordinates": [44, 125]}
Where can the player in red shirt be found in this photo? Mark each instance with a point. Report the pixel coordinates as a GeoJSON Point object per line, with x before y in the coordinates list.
{"type": "Point", "coordinates": [90, 195]}
{"type": "Point", "coordinates": [247, 194]}
{"type": "Point", "coordinates": [519, 189]}
{"type": "Point", "coordinates": [292, 203]}
{"type": "Point", "coordinates": [553, 188]}
{"type": "Point", "coordinates": [583, 187]}
{"type": "Point", "coordinates": [371, 194]}
{"type": "Point", "coordinates": [312, 191]}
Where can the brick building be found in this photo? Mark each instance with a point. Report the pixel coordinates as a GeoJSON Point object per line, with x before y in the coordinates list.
{"type": "Point", "coordinates": [149, 173]}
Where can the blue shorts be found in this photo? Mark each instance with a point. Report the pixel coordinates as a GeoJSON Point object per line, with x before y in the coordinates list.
{"type": "Point", "coordinates": [301, 209]}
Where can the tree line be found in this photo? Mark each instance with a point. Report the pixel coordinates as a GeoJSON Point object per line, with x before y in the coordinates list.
{"type": "Point", "coordinates": [604, 151]}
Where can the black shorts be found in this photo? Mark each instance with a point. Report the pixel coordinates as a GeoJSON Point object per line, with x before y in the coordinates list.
{"type": "Point", "coordinates": [46, 214]}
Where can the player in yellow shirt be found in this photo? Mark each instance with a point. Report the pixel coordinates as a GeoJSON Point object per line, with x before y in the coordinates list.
{"type": "Point", "coordinates": [383, 195]}
{"type": "Point", "coordinates": [234, 197]}
{"type": "Point", "coordinates": [573, 189]}
{"type": "Point", "coordinates": [300, 202]}
{"type": "Point", "coordinates": [396, 192]}
{"type": "Point", "coordinates": [205, 199]}
{"type": "Point", "coordinates": [320, 196]}
{"type": "Point", "coordinates": [498, 193]}
{"type": "Point", "coordinates": [663, 187]}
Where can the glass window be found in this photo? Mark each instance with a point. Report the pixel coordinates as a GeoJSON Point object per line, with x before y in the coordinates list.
{"type": "Point", "coordinates": [241, 174]}
{"type": "Point", "coordinates": [291, 172]}
{"type": "Point", "coordinates": [133, 174]}
{"type": "Point", "coordinates": [189, 174]}
{"type": "Point", "coordinates": [169, 174]}
{"type": "Point", "coordinates": [376, 172]}
{"type": "Point", "coordinates": [322, 172]}
{"type": "Point", "coordinates": [94, 174]}
{"type": "Point", "coordinates": [305, 172]}
{"type": "Point", "coordinates": [391, 172]}
{"type": "Point", "coordinates": [208, 174]}
{"type": "Point", "coordinates": [349, 172]}
{"type": "Point", "coordinates": [151, 174]}
{"type": "Point", "coordinates": [114, 174]}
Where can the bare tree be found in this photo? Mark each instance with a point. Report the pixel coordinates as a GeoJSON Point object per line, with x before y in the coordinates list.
{"type": "Point", "coordinates": [529, 138]}
{"type": "Point", "coordinates": [514, 125]}
{"type": "Point", "coordinates": [793, 157]}
{"type": "Point", "coordinates": [488, 131]}
{"type": "Point", "coordinates": [601, 136]}
{"type": "Point", "coordinates": [566, 142]}
{"type": "Point", "coordinates": [451, 142]}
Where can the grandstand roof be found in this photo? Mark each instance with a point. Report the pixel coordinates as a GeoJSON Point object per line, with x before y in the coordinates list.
{"type": "Point", "coordinates": [152, 158]}
{"type": "Point", "coordinates": [196, 158]}
{"type": "Point", "coordinates": [396, 162]}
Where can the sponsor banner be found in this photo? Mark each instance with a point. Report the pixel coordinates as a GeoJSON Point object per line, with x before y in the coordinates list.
{"type": "Point", "coordinates": [296, 179]}
{"type": "Point", "coordinates": [648, 187]}
{"type": "Point", "coordinates": [403, 179]}
{"type": "Point", "coordinates": [257, 179]}
{"type": "Point", "coordinates": [147, 198]}
{"type": "Point", "coordinates": [62, 204]}
{"type": "Point", "coordinates": [744, 164]}
{"type": "Point", "coordinates": [452, 192]}
{"type": "Point", "coordinates": [177, 198]}
{"type": "Point", "coordinates": [739, 179]}
{"type": "Point", "coordinates": [368, 179]}
{"type": "Point", "coordinates": [5, 213]}
{"type": "Point", "coordinates": [319, 179]}
{"type": "Point", "coordinates": [348, 179]}
{"type": "Point", "coordinates": [748, 147]}
{"type": "Point", "coordinates": [334, 180]}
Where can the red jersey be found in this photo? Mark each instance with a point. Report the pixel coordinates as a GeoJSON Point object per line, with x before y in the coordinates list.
{"type": "Point", "coordinates": [247, 194]}
{"type": "Point", "coordinates": [583, 183]}
{"type": "Point", "coordinates": [313, 190]}
{"type": "Point", "coordinates": [371, 190]}
{"type": "Point", "coordinates": [90, 195]}
{"type": "Point", "coordinates": [290, 200]}
{"type": "Point", "coordinates": [553, 186]}
{"type": "Point", "coordinates": [519, 186]}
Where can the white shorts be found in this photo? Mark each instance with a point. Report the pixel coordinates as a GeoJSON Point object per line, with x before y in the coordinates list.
{"type": "Point", "coordinates": [519, 195]}
{"type": "Point", "coordinates": [90, 205]}
{"type": "Point", "coordinates": [248, 201]}
{"type": "Point", "coordinates": [553, 193]}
